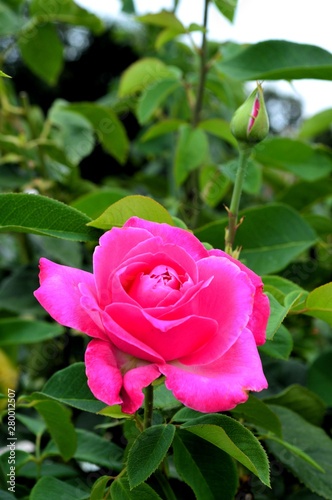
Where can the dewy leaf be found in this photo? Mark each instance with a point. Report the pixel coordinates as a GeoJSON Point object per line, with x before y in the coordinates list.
{"type": "Point", "coordinates": [14, 331]}
{"type": "Point", "coordinates": [70, 386]}
{"type": "Point", "coordinates": [54, 489]}
{"type": "Point", "coordinates": [59, 425]}
{"type": "Point", "coordinates": [227, 8]}
{"type": "Point", "coordinates": [134, 205]}
{"type": "Point", "coordinates": [143, 73]}
{"type": "Point", "coordinates": [319, 303]}
{"type": "Point", "coordinates": [313, 442]}
{"type": "Point", "coordinates": [148, 451]}
{"type": "Point", "coordinates": [279, 59]}
{"type": "Point", "coordinates": [153, 97]}
{"type": "Point", "coordinates": [42, 52]}
{"type": "Point", "coordinates": [204, 467]}
{"type": "Point", "coordinates": [233, 438]}
{"type": "Point", "coordinates": [109, 130]}
{"type": "Point", "coordinates": [191, 151]}
{"type": "Point", "coordinates": [319, 376]}
{"type": "Point", "coordinates": [36, 214]}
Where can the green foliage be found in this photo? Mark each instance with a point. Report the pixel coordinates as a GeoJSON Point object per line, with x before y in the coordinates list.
{"type": "Point", "coordinates": [156, 143]}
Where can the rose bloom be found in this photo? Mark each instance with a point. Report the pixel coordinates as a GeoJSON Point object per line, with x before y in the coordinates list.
{"type": "Point", "coordinates": [159, 303]}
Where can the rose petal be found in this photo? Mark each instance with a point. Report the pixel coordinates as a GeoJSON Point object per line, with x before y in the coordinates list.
{"type": "Point", "coordinates": [221, 385]}
{"type": "Point", "coordinates": [173, 235]}
{"type": "Point", "coordinates": [261, 309]}
{"type": "Point", "coordinates": [59, 293]}
{"type": "Point", "coordinates": [133, 382]}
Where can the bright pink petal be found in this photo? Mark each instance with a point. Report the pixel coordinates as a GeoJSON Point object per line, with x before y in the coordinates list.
{"type": "Point", "coordinates": [133, 382]}
{"type": "Point", "coordinates": [104, 375]}
{"type": "Point", "coordinates": [221, 385]}
{"type": "Point", "coordinates": [261, 309]}
{"type": "Point", "coordinates": [173, 235]}
{"type": "Point", "coordinates": [60, 294]}
{"type": "Point", "coordinates": [170, 339]}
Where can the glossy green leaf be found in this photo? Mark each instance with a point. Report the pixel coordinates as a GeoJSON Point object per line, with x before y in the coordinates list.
{"type": "Point", "coordinates": [15, 331]}
{"type": "Point", "coordinates": [121, 490]}
{"type": "Point", "coordinates": [153, 97]}
{"type": "Point", "coordinates": [69, 386]}
{"type": "Point", "coordinates": [284, 286]}
{"type": "Point", "coordinates": [109, 129]}
{"type": "Point", "coordinates": [319, 376]}
{"type": "Point", "coordinates": [280, 346]}
{"type": "Point", "coordinates": [257, 412]}
{"type": "Point", "coordinates": [59, 425]}
{"type": "Point", "coordinates": [42, 52]}
{"type": "Point", "coordinates": [68, 12]}
{"type": "Point", "coordinates": [227, 8]}
{"type": "Point", "coordinates": [233, 438]}
{"type": "Point", "coordinates": [316, 125]}
{"type": "Point", "coordinates": [279, 59]}
{"type": "Point", "coordinates": [134, 205]}
{"type": "Point", "coordinates": [312, 441]}
{"type": "Point", "coordinates": [36, 214]}
{"type": "Point", "coordinates": [191, 151]}
{"type": "Point", "coordinates": [143, 73]}
{"type": "Point", "coordinates": [319, 303]}
{"type": "Point", "coordinates": [299, 399]}
{"type": "Point", "coordinates": [204, 467]}
{"type": "Point", "coordinates": [220, 128]}
{"type": "Point", "coordinates": [162, 128]}
{"type": "Point", "coordinates": [54, 489]}
{"type": "Point", "coordinates": [95, 203]}
{"type": "Point", "coordinates": [147, 452]}
{"type": "Point", "coordinates": [308, 162]}
{"type": "Point", "coordinates": [163, 398]}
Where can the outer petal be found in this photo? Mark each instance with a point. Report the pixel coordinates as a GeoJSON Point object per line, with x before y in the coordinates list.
{"type": "Point", "coordinates": [221, 385]}
{"type": "Point", "coordinates": [261, 311]}
{"type": "Point", "coordinates": [173, 235]}
{"type": "Point", "coordinates": [133, 383]}
{"type": "Point", "coordinates": [59, 293]}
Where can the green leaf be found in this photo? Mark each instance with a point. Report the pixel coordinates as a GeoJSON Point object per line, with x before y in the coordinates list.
{"type": "Point", "coordinates": [280, 346]}
{"type": "Point", "coordinates": [153, 97]}
{"type": "Point", "coordinates": [54, 489]}
{"type": "Point", "coordinates": [163, 19]}
{"type": "Point", "coordinates": [143, 73]}
{"type": "Point", "coordinates": [42, 52]}
{"type": "Point", "coordinates": [95, 203]}
{"type": "Point", "coordinates": [191, 151]}
{"type": "Point", "coordinates": [213, 184]}
{"type": "Point", "coordinates": [148, 451]}
{"type": "Point", "coordinates": [253, 179]}
{"type": "Point", "coordinates": [135, 205]}
{"type": "Point", "coordinates": [161, 128]}
{"type": "Point", "coordinates": [107, 126]}
{"type": "Point", "coordinates": [313, 442]}
{"type": "Point", "coordinates": [16, 291]}
{"type": "Point", "coordinates": [308, 162]}
{"type": "Point", "coordinates": [4, 75]}
{"type": "Point", "coordinates": [220, 128]}
{"type": "Point", "coordinates": [36, 214]}
{"type": "Point", "coordinates": [204, 467]}
{"type": "Point", "coordinates": [163, 398]}
{"type": "Point", "coordinates": [319, 303]}
{"type": "Point", "coordinates": [98, 488]}
{"type": "Point", "coordinates": [15, 331]}
{"type": "Point", "coordinates": [69, 386]}
{"type": "Point", "coordinates": [279, 59]}
{"type": "Point", "coordinates": [227, 8]}
{"type": "Point", "coordinates": [121, 490]}
{"type": "Point", "coordinates": [35, 425]}
{"type": "Point", "coordinates": [10, 22]}
{"type": "Point", "coordinates": [316, 125]}
{"type": "Point", "coordinates": [59, 425]}
{"type": "Point", "coordinates": [66, 11]}
{"type": "Point", "coordinates": [303, 194]}
{"type": "Point", "coordinates": [319, 376]}
{"type": "Point", "coordinates": [257, 412]}
{"type": "Point", "coordinates": [233, 438]}
{"type": "Point", "coordinates": [271, 237]}
{"type": "Point", "coordinates": [299, 399]}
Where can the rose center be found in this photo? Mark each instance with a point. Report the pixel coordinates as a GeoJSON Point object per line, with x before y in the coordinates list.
{"type": "Point", "coordinates": [166, 276]}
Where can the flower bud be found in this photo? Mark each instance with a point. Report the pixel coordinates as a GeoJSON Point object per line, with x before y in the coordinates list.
{"type": "Point", "coordinates": [250, 123]}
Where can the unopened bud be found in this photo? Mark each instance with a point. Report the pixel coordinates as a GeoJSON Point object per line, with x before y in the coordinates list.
{"type": "Point", "coordinates": [250, 123]}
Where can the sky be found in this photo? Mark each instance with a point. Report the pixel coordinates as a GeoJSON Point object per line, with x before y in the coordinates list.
{"type": "Point", "coordinates": [302, 21]}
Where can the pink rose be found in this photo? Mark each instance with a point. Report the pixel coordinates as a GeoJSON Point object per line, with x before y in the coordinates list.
{"type": "Point", "coordinates": [159, 303]}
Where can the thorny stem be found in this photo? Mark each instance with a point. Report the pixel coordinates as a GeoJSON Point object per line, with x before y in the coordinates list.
{"type": "Point", "coordinates": [148, 406]}
{"type": "Point", "coordinates": [233, 211]}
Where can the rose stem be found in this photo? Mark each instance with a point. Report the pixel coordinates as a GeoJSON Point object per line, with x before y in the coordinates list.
{"type": "Point", "coordinates": [233, 210]}
{"type": "Point", "coordinates": [148, 406]}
